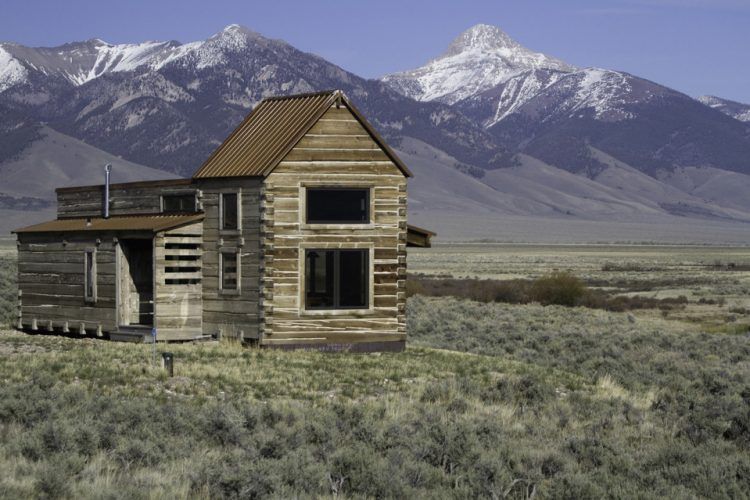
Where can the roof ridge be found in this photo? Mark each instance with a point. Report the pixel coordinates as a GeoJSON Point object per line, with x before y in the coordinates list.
{"type": "Point", "coordinates": [330, 92]}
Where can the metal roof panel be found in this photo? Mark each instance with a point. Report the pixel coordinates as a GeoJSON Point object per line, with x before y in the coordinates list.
{"type": "Point", "coordinates": [153, 223]}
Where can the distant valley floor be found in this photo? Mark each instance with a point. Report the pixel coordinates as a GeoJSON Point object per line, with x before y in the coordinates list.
{"type": "Point", "coordinates": [458, 227]}
{"type": "Point", "coordinates": [527, 229]}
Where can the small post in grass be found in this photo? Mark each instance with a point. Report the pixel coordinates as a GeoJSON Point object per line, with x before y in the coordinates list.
{"type": "Point", "coordinates": [167, 362]}
{"type": "Point", "coordinates": [153, 344]}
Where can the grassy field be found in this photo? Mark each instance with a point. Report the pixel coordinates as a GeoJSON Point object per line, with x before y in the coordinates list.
{"type": "Point", "coordinates": [715, 280]}
{"type": "Point", "coordinates": [490, 399]}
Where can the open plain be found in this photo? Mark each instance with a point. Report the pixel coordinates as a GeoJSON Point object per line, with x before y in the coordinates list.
{"type": "Point", "coordinates": [491, 399]}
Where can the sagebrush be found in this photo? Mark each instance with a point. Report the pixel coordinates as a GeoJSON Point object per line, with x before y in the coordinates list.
{"type": "Point", "coordinates": [490, 400]}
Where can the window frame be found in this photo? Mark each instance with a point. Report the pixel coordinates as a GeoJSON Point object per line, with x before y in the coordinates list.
{"type": "Point", "coordinates": [89, 298]}
{"type": "Point", "coordinates": [183, 192]}
{"type": "Point", "coordinates": [370, 275]}
{"type": "Point", "coordinates": [238, 229]}
{"type": "Point", "coordinates": [238, 256]}
{"type": "Point", "coordinates": [304, 186]}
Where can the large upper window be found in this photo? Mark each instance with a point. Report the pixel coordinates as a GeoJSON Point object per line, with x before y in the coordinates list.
{"type": "Point", "coordinates": [338, 205]}
{"type": "Point", "coordinates": [178, 202]}
{"type": "Point", "coordinates": [336, 279]}
{"type": "Point", "coordinates": [230, 211]}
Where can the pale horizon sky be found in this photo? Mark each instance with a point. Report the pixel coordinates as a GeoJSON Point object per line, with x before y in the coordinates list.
{"type": "Point", "coordinates": [694, 46]}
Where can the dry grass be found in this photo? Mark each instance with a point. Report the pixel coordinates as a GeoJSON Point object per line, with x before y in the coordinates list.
{"type": "Point", "coordinates": [489, 400]}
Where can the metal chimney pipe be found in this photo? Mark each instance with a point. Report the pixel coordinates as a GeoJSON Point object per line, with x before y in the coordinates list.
{"type": "Point", "coordinates": [107, 171]}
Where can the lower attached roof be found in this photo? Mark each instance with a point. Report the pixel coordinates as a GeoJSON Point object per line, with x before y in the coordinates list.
{"type": "Point", "coordinates": [153, 223]}
{"type": "Point", "coordinates": [418, 237]}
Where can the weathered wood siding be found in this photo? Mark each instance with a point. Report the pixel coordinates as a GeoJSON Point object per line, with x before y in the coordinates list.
{"type": "Point", "coordinates": [337, 151]}
{"type": "Point", "coordinates": [139, 198]}
{"type": "Point", "coordinates": [231, 314]}
{"type": "Point", "coordinates": [178, 286]}
{"type": "Point", "coordinates": [51, 282]}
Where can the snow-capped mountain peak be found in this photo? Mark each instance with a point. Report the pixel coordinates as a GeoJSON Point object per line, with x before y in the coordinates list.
{"type": "Point", "coordinates": [479, 59]}
{"type": "Point", "coordinates": [81, 62]}
{"type": "Point", "coordinates": [481, 37]}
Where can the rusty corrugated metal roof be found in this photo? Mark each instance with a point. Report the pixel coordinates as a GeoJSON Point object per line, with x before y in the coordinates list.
{"type": "Point", "coordinates": [272, 129]}
{"type": "Point", "coordinates": [154, 223]}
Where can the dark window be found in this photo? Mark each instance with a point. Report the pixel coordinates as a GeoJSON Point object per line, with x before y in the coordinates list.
{"type": "Point", "coordinates": [89, 267]}
{"type": "Point", "coordinates": [229, 211]}
{"type": "Point", "coordinates": [229, 270]}
{"type": "Point", "coordinates": [338, 206]}
{"type": "Point", "coordinates": [336, 279]}
{"type": "Point", "coordinates": [184, 202]}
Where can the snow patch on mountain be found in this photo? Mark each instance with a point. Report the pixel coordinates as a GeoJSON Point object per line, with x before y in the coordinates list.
{"type": "Point", "coordinates": [479, 59]}
{"type": "Point", "coordinates": [519, 90]}
{"type": "Point", "coordinates": [603, 91]}
{"type": "Point", "coordinates": [213, 52]}
{"type": "Point", "coordinates": [12, 72]}
{"type": "Point", "coordinates": [117, 58]}
{"type": "Point", "coordinates": [83, 62]}
{"type": "Point", "coordinates": [736, 110]}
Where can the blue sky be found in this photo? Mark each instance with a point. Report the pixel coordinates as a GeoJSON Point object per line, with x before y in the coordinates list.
{"type": "Point", "coordinates": [696, 46]}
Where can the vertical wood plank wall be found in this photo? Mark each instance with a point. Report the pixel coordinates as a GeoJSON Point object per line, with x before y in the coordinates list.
{"type": "Point", "coordinates": [231, 315]}
{"type": "Point", "coordinates": [51, 282]}
{"type": "Point", "coordinates": [178, 308]}
{"type": "Point", "coordinates": [337, 151]}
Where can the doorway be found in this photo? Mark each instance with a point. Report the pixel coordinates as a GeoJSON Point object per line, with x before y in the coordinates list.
{"type": "Point", "coordinates": [136, 282]}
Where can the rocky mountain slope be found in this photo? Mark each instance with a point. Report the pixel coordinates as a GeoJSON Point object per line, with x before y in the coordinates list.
{"type": "Point", "coordinates": [493, 130]}
{"type": "Point", "coordinates": [51, 160]}
{"type": "Point", "coordinates": [537, 105]}
{"type": "Point", "coordinates": [168, 105]}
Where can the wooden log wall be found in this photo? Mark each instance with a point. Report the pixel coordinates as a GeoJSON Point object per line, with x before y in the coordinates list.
{"type": "Point", "coordinates": [140, 198]}
{"type": "Point", "coordinates": [337, 151]}
{"type": "Point", "coordinates": [233, 315]}
{"type": "Point", "coordinates": [178, 283]}
{"type": "Point", "coordinates": [51, 283]}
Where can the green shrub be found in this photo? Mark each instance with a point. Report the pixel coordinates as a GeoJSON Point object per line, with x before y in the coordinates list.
{"type": "Point", "coordinates": [8, 292]}
{"type": "Point", "coordinates": [558, 288]}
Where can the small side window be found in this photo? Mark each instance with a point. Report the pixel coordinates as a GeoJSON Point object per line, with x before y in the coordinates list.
{"type": "Point", "coordinates": [230, 211]}
{"type": "Point", "coordinates": [178, 202]}
{"type": "Point", "coordinates": [229, 279]}
{"type": "Point", "coordinates": [89, 271]}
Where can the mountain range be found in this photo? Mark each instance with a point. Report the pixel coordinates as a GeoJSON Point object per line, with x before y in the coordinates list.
{"type": "Point", "coordinates": [496, 130]}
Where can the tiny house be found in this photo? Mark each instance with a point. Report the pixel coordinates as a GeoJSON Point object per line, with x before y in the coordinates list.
{"type": "Point", "coordinates": [293, 233]}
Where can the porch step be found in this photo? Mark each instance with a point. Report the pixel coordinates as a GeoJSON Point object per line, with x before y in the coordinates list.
{"type": "Point", "coordinates": [132, 333]}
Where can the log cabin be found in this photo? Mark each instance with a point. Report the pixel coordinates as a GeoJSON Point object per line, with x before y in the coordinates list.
{"type": "Point", "coordinates": [292, 234]}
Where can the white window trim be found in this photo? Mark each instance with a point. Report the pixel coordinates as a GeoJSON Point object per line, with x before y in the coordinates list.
{"type": "Point", "coordinates": [230, 291]}
{"type": "Point", "coordinates": [303, 224]}
{"type": "Point", "coordinates": [370, 309]}
{"type": "Point", "coordinates": [238, 230]}
{"type": "Point", "coordinates": [90, 299]}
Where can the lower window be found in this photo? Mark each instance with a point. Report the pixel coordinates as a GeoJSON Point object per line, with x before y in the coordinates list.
{"type": "Point", "coordinates": [336, 279]}
{"type": "Point", "coordinates": [229, 268]}
{"type": "Point", "coordinates": [89, 271]}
